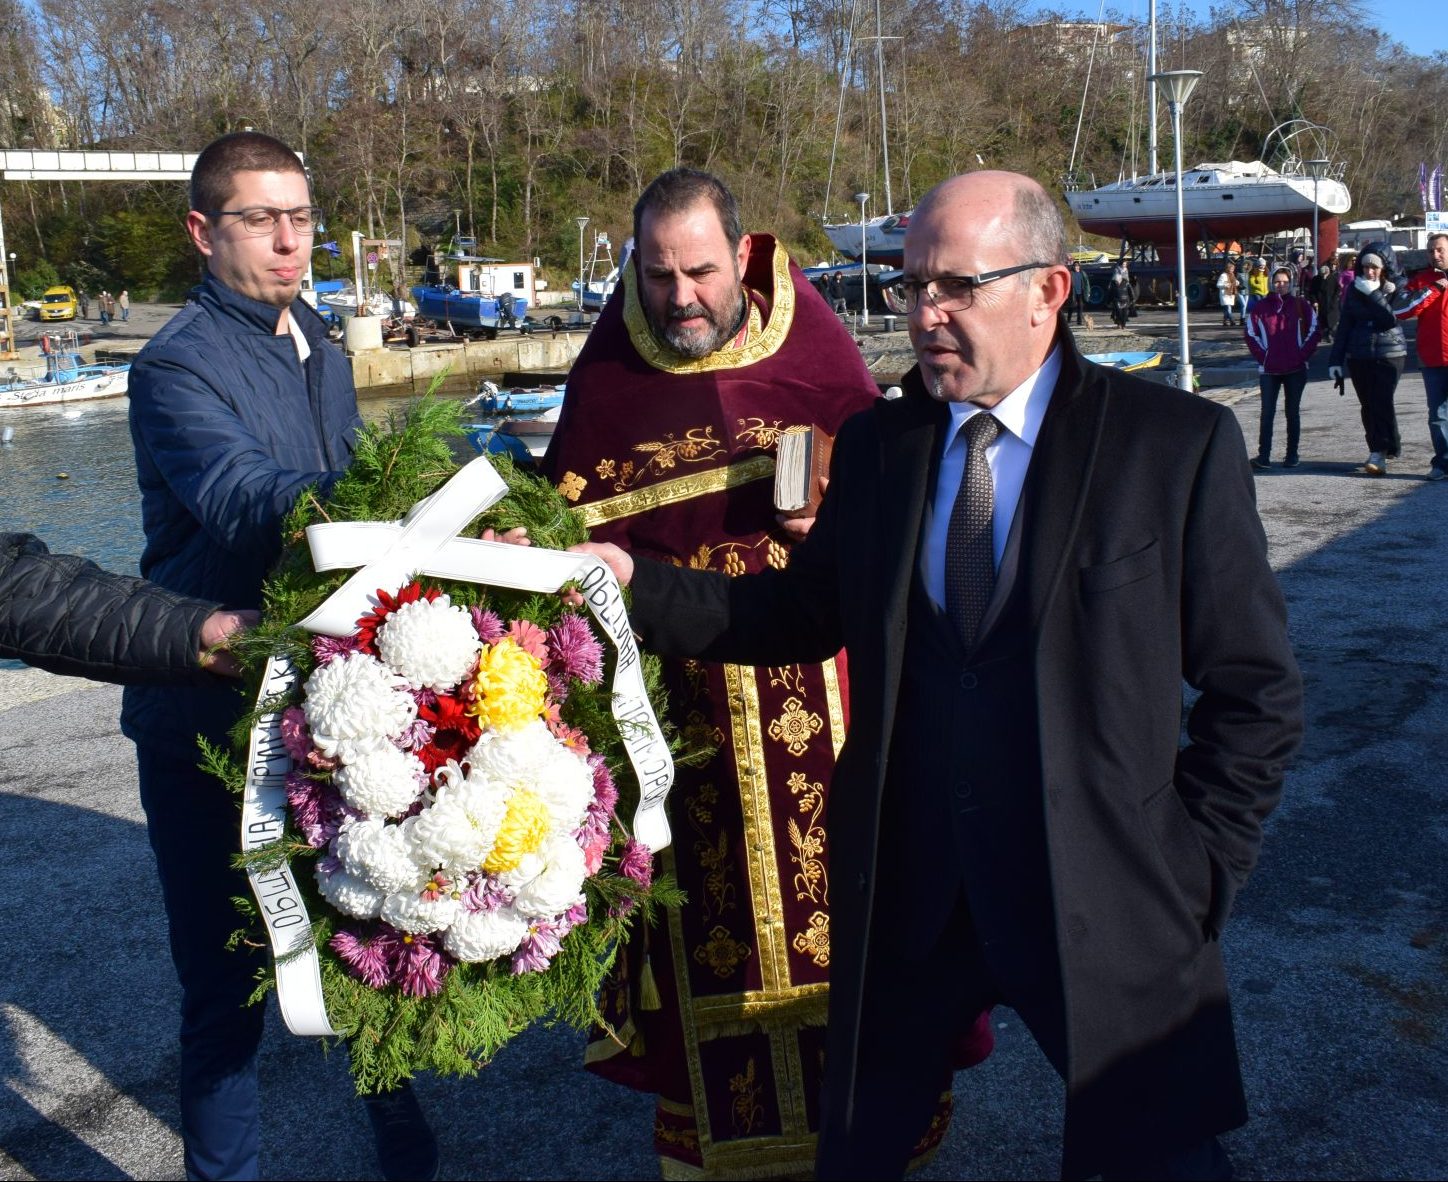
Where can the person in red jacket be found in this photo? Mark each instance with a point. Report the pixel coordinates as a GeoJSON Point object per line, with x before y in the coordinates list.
{"type": "Point", "coordinates": [1429, 304]}
{"type": "Point", "coordinates": [1282, 331]}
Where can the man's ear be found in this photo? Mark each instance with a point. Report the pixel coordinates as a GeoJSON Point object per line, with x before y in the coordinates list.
{"type": "Point", "coordinates": [741, 258]}
{"type": "Point", "coordinates": [199, 230]}
{"type": "Point", "coordinates": [1048, 294]}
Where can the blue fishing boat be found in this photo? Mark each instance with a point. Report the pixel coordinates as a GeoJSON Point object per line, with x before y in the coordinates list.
{"type": "Point", "coordinates": [496, 401]}
{"type": "Point", "coordinates": [459, 309]}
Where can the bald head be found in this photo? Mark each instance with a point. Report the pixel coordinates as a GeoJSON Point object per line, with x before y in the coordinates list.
{"type": "Point", "coordinates": [976, 224]}
{"type": "Point", "coordinates": [1006, 204]}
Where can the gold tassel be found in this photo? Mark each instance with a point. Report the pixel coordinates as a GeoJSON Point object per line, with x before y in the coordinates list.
{"type": "Point", "coordinates": [649, 998]}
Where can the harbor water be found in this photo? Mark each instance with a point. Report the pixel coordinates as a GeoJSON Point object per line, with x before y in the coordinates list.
{"type": "Point", "coordinates": [69, 476]}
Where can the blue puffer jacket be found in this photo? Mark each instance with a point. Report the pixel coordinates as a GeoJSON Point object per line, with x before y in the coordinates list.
{"type": "Point", "coordinates": [229, 429]}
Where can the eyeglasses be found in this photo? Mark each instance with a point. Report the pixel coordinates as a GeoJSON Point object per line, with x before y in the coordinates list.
{"type": "Point", "coordinates": [262, 219]}
{"type": "Point", "coordinates": [955, 293]}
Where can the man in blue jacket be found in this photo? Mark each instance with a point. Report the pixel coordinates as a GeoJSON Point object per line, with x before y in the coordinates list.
{"type": "Point", "coordinates": [237, 406]}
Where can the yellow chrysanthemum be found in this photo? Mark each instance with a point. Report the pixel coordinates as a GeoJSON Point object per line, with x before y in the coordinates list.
{"type": "Point", "coordinates": [524, 827]}
{"type": "Point", "coordinates": [510, 689]}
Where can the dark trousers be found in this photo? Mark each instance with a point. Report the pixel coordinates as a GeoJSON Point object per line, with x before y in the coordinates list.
{"type": "Point", "coordinates": [1271, 384]}
{"type": "Point", "coordinates": [1375, 381]}
{"type": "Point", "coordinates": [916, 1004]}
{"type": "Point", "coordinates": [1435, 384]}
{"type": "Point", "coordinates": [1076, 307]}
{"type": "Point", "coordinates": [194, 827]}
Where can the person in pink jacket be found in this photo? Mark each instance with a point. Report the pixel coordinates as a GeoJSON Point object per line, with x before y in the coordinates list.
{"type": "Point", "coordinates": [1282, 330]}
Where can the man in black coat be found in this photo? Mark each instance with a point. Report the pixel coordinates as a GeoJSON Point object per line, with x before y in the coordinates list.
{"type": "Point", "coordinates": [69, 616]}
{"type": "Point", "coordinates": [1015, 817]}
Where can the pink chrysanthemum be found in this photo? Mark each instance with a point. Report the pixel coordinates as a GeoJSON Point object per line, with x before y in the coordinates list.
{"type": "Point", "coordinates": [485, 893]}
{"type": "Point", "coordinates": [490, 627]}
{"type": "Point", "coordinates": [368, 959]}
{"type": "Point", "coordinates": [637, 862]}
{"type": "Point", "coordinates": [418, 734]}
{"type": "Point", "coordinates": [538, 948]}
{"type": "Point", "coordinates": [605, 793]}
{"type": "Point", "coordinates": [571, 737]}
{"type": "Point", "coordinates": [295, 736]}
{"type": "Point", "coordinates": [420, 967]}
{"type": "Point", "coordinates": [317, 809]}
{"type": "Point", "coordinates": [437, 887]}
{"type": "Point", "coordinates": [530, 638]}
{"type": "Point", "coordinates": [597, 824]}
{"type": "Point", "coordinates": [574, 651]}
{"type": "Point", "coordinates": [424, 697]}
{"type": "Point", "coordinates": [329, 648]}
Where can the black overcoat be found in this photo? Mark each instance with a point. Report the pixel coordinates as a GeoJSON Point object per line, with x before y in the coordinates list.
{"type": "Point", "coordinates": [1144, 566]}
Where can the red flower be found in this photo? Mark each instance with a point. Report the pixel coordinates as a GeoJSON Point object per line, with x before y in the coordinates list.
{"type": "Point", "coordinates": [456, 732]}
{"type": "Point", "coordinates": [387, 604]}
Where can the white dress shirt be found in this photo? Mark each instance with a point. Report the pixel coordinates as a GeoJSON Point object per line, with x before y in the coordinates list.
{"type": "Point", "coordinates": [1019, 413]}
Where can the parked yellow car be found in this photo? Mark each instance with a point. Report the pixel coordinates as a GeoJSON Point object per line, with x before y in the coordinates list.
{"type": "Point", "coordinates": [58, 303]}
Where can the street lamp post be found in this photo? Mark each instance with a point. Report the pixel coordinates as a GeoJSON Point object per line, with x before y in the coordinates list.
{"type": "Point", "coordinates": [1317, 168]}
{"type": "Point", "coordinates": [862, 198]}
{"type": "Point", "coordinates": [1179, 85]}
{"type": "Point", "coordinates": [582, 222]}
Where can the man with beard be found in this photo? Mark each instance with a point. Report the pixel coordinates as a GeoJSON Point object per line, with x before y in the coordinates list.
{"type": "Point", "coordinates": [238, 406]}
{"type": "Point", "coordinates": [712, 347]}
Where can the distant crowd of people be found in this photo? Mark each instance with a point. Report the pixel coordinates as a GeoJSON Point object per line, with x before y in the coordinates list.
{"type": "Point", "coordinates": [1359, 311]}
{"type": "Point", "coordinates": [107, 306]}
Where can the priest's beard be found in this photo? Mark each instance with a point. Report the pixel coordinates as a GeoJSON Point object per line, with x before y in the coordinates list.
{"type": "Point", "coordinates": [695, 343]}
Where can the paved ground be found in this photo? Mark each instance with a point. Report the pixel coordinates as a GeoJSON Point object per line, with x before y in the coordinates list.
{"type": "Point", "coordinates": [1337, 952]}
{"type": "Point", "coordinates": [146, 320]}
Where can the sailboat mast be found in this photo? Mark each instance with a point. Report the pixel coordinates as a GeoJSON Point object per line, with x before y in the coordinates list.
{"type": "Point", "coordinates": [884, 125]}
{"type": "Point", "coordinates": [1151, 85]}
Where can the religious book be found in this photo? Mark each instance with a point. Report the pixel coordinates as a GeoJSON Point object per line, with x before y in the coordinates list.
{"type": "Point", "coordinates": [802, 459]}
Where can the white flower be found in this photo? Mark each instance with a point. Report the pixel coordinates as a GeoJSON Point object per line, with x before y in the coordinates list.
{"type": "Point", "coordinates": [513, 758]}
{"type": "Point", "coordinates": [565, 784]}
{"type": "Point", "coordinates": [379, 853]}
{"type": "Point", "coordinates": [431, 643]}
{"type": "Point", "coordinates": [457, 830]}
{"type": "Point", "coordinates": [381, 783]}
{"type": "Point", "coordinates": [409, 912]}
{"type": "Point", "coordinates": [485, 935]}
{"type": "Point", "coordinates": [355, 704]}
{"type": "Point", "coordinates": [560, 885]}
{"type": "Point", "coordinates": [350, 895]}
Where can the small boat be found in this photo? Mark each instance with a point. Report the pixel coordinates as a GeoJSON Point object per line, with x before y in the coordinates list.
{"type": "Point", "coordinates": [343, 303]}
{"type": "Point", "coordinates": [596, 291]}
{"type": "Point", "coordinates": [524, 440]}
{"type": "Point", "coordinates": [66, 378]}
{"type": "Point", "coordinates": [884, 238]}
{"type": "Point", "coordinates": [488, 294]}
{"type": "Point", "coordinates": [495, 401]}
{"type": "Point", "coordinates": [1127, 362]}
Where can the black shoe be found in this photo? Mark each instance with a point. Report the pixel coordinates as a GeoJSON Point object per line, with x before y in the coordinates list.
{"type": "Point", "coordinates": [1259, 463]}
{"type": "Point", "coordinates": [406, 1147]}
{"type": "Point", "coordinates": [1291, 462]}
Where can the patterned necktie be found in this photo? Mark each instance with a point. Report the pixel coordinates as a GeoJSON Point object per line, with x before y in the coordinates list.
{"type": "Point", "coordinates": [969, 542]}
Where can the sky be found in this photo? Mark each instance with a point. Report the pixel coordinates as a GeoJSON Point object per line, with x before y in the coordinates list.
{"type": "Point", "coordinates": [1421, 25]}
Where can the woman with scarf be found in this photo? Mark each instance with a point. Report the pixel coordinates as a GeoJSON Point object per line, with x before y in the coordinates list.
{"type": "Point", "coordinates": [1372, 346]}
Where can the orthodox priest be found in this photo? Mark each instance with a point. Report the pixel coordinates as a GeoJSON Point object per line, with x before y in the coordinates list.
{"type": "Point", "coordinates": [712, 347]}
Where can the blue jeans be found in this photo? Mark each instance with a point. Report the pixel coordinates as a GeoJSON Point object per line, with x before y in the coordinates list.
{"type": "Point", "coordinates": [195, 827]}
{"type": "Point", "coordinates": [1270, 384]}
{"type": "Point", "coordinates": [1435, 382]}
